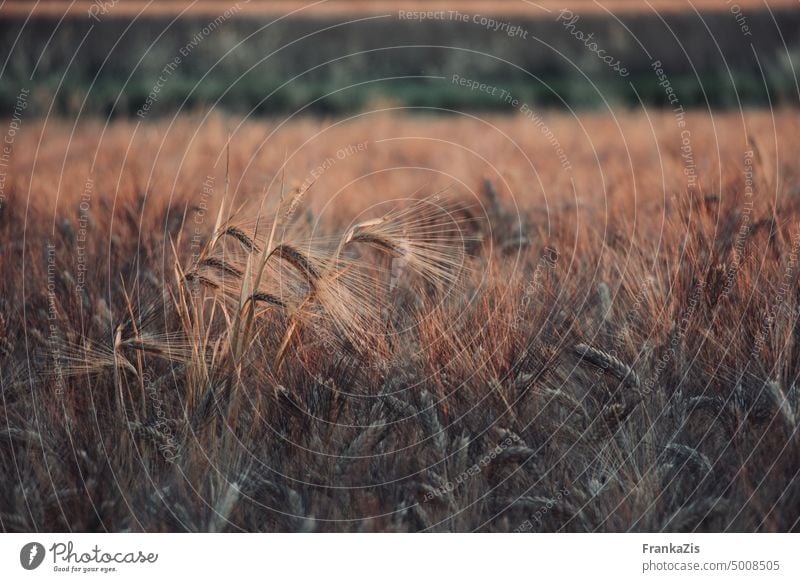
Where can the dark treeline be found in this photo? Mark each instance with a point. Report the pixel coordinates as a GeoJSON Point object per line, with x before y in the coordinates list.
{"type": "Point", "coordinates": [116, 66]}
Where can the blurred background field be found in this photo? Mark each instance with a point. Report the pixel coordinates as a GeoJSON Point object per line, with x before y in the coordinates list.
{"type": "Point", "coordinates": [272, 58]}
{"type": "Point", "coordinates": [476, 415]}
{"type": "Point", "coordinates": [620, 352]}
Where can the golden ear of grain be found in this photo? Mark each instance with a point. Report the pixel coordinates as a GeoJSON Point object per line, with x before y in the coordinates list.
{"type": "Point", "coordinates": [248, 243]}
{"type": "Point", "coordinates": [428, 238]}
{"type": "Point", "coordinates": [215, 263]}
{"type": "Point", "coordinates": [606, 361]}
{"type": "Point", "coordinates": [121, 360]}
{"type": "Point", "coordinates": [359, 228]}
{"type": "Point", "coordinates": [298, 260]}
{"type": "Point", "coordinates": [376, 240]}
{"type": "Point", "coordinates": [324, 287]}
{"type": "Point", "coordinates": [267, 298]}
{"type": "Point", "coordinates": [202, 279]}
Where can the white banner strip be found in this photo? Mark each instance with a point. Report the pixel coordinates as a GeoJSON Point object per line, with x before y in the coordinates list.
{"type": "Point", "coordinates": [401, 557]}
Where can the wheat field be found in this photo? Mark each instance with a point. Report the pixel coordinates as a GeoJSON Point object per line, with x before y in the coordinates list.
{"type": "Point", "coordinates": [402, 322]}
